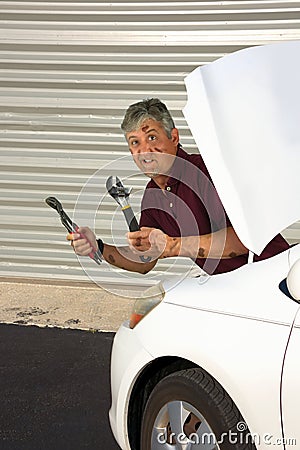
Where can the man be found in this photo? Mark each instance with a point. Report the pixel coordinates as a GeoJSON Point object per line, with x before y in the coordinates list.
{"type": "Point", "coordinates": [182, 214]}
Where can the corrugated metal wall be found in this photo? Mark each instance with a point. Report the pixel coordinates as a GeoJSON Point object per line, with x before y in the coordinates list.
{"type": "Point", "coordinates": [68, 70]}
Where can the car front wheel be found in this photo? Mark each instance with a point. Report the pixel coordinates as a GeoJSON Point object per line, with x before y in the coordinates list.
{"type": "Point", "coordinates": [190, 410]}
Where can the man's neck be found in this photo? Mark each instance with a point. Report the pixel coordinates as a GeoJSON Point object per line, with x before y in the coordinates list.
{"type": "Point", "coordinates": [161, 181]}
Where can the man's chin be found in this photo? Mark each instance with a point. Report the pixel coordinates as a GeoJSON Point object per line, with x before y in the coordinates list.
{"type": "Point", "coordinates": [151, 174]}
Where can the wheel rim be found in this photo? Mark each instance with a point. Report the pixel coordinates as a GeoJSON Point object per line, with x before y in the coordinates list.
{"type": "Point", "coordinates": [171, 429]}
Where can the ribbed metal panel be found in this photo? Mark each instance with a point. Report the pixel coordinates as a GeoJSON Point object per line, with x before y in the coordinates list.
{"type": "Point", "coordinates": [68, 70]}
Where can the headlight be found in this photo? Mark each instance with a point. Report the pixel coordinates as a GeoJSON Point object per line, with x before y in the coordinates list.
{"type": "Point", "coordinates": [149, 299]}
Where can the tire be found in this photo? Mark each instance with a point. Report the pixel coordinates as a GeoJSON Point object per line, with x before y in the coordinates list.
{"type": "Point", "coordinates": [190, 410]}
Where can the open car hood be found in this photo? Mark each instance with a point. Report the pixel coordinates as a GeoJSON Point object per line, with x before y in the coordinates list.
{"type": "Point", "coordinates": [244, 113]}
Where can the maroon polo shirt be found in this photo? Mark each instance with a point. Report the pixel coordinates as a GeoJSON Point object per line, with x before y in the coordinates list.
{"type": "Point", "coordinates": [190, 206]}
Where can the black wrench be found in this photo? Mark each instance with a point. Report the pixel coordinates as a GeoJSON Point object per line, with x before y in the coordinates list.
{"type": "Point", "coordinates": [71, 226]}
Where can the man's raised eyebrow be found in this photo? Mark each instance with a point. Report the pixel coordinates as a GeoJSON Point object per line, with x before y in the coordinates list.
{"type": "Point", "coordinates": [132, 137]}
{"type": "Point", "coordinates": [150, 131]}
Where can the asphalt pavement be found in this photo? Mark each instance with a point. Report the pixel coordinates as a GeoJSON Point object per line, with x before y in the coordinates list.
{"type": "Point", "coordinates": [55, 390]}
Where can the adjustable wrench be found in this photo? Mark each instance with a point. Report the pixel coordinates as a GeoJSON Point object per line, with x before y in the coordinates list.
{"type": "Point", "coordinates": [71, 226]}
{"type": "Point", "coordinates": [120, 193]}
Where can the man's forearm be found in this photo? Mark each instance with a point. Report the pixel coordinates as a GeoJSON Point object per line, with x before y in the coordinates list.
{"type": "Point", "coordinates": [221, 244]}
{"type": "Point", "coordinates": [124, 258]}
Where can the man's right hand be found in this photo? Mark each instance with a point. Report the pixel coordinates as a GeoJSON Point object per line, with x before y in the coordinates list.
{"type": "Point", "coordinates": [80, 242]}
{"type": "Point", "coordinates": [120, 257]}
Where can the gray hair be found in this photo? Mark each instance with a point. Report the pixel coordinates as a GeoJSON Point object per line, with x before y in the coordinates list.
{"type": "Point", "coordinates": [151, 108]}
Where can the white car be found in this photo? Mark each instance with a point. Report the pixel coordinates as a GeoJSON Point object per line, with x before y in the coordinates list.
{"type": "Point", "coordinates": [225, 350]}
{"type": "Point", "coordinates": [213, 363]}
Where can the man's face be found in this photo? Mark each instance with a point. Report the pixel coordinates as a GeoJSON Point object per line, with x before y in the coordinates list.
{"type": "Point", "coordinates": [152, 150]}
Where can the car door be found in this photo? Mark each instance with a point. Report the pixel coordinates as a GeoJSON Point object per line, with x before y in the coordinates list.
{"type": "Point", "coordinates": [290, 394]}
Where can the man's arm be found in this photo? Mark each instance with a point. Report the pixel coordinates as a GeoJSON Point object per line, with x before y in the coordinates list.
{"type": "Point", "coordinates": [221, 244]}
{"type": "Point", "coordinates": [122, 257]}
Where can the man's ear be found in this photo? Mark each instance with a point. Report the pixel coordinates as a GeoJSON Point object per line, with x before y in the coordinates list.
{"type": "Point", "coordinates": [175, 136]}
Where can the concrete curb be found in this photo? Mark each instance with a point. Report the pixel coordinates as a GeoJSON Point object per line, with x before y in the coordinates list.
{"type": "Point", "coordinates": [85, 307]}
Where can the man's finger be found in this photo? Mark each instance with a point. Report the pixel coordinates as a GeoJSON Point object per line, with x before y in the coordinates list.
{"type": "Point", "coordinates": [73, 236]}
{"type": "Point", "coordinates": [138, 242]}
{"type": "Point", "coordinates": [132, 235]}
{"type": "Point", "coordinates": [141, 234]}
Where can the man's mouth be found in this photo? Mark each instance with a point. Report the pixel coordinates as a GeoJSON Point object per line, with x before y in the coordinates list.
{"type": "Point", "coordinates": [149, 166]}
{"type": "Point", "coordinates": [148, 161]}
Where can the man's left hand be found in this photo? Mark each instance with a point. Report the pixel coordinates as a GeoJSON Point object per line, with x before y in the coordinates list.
{"type": "Point", "coordinates": [150, 241]}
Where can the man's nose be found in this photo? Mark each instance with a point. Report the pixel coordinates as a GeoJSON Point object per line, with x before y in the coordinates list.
{"type": "Point", "coordinates": [149, 146]}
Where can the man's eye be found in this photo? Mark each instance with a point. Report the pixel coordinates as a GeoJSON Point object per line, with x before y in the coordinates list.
{"type": "Point", "coordinates": [151, 138]}
{"type": "Point", "coordinates": [134, 142]}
